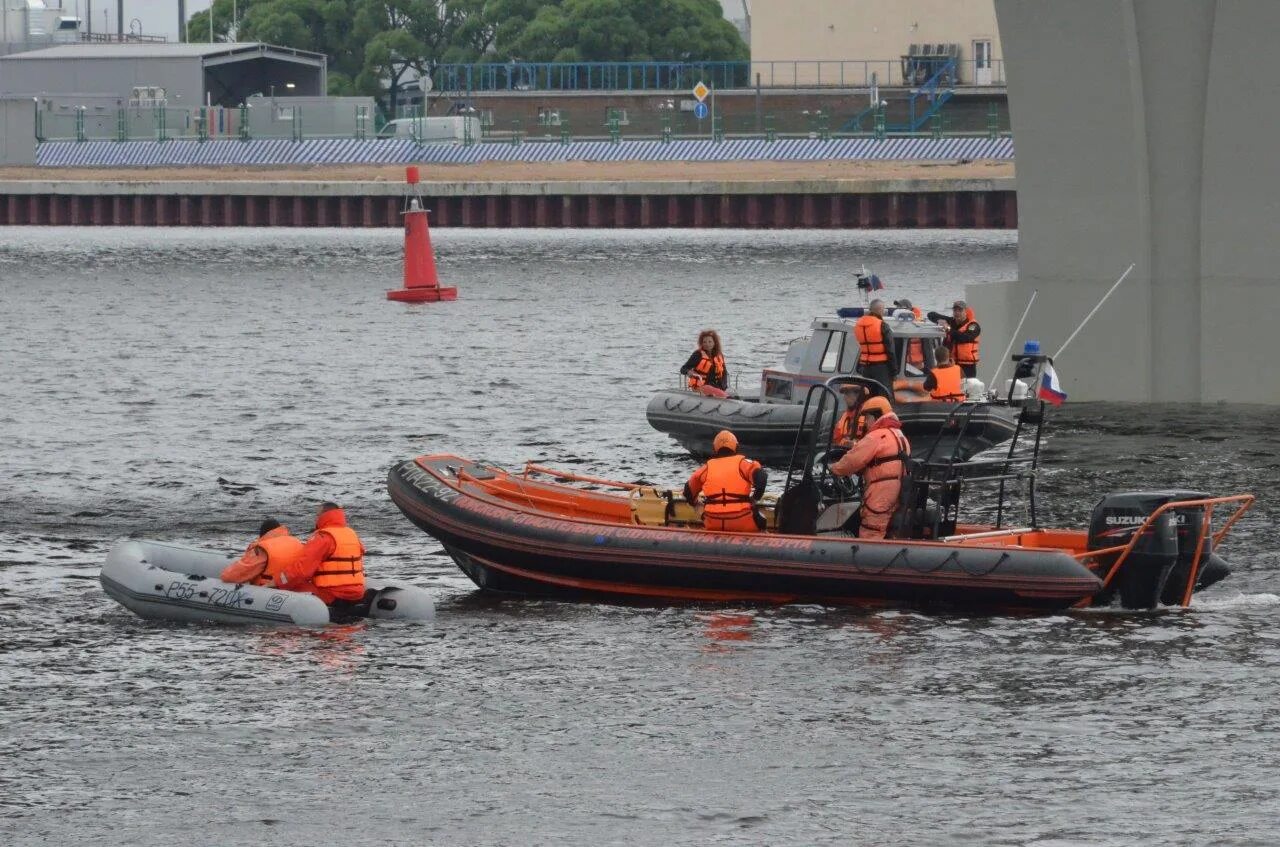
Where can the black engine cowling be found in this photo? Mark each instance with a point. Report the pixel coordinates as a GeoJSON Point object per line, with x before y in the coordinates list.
{"type": "Point", "coordinates": [1158, 568]}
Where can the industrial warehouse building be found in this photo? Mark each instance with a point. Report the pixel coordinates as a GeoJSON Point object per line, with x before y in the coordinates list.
{"type": "Point", "coordinates": [180, 75]}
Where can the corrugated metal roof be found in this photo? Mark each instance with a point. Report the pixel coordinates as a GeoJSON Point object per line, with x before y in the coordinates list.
{"type": "Point", "coordinates": [153, 51]}
{"type": "Point", "coordinates": [265, 151]}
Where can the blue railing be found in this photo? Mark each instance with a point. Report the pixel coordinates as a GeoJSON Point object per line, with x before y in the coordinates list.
{"type": "Point", "coordinates": [934, 93]}
{"type": "Point", "coordinates": [681, 76]}
{"type": "Point", "coordinates": [589, 76]}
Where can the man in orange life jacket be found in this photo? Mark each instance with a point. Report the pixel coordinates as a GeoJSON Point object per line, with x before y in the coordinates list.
{"type": "Point", "coordinates": [274, 551]}
{"type": "Point", "coordinates": [962, 336]}
{"type": "Point", "coordinates": [730, 484]}
{"type": "Point", "coordinates": [875, 346]}
{"type": "Point", "coordinates": [852, 425]}
{"type": "Point", "coordinates": [915, 349]}
{"type": "Point", "coordinates": [706, 365]}
{"type": "Point", "coordinates": [331, 565]}
{"type": "Point", "coordinates": [881, 457]}
{"type": "Point", "coordinates": [945, 382]}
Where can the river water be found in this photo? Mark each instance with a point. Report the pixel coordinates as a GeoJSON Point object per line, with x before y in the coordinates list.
{"type": "Point", "coordinates": [183, 384]}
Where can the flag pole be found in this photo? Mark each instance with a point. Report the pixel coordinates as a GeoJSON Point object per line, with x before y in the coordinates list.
{"type": "Point", "coordinates": [1012, 338]}
{"type": "Point", "coordinates": [1072, 336]}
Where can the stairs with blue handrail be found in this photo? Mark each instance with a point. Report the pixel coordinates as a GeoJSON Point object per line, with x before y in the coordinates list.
{"type": "Point", "coordinates": [915, 111]}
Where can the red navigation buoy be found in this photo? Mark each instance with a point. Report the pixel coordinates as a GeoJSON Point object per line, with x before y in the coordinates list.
{"type": "Point", "coordinates": [421, 284]}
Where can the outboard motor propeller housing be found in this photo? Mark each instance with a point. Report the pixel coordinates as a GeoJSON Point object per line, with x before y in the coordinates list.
{"type": "Point", "coordinates": [1158, 567]}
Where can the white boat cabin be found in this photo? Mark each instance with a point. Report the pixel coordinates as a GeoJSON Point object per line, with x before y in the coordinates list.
{"type": "Point", "coordinates": [831, 350]}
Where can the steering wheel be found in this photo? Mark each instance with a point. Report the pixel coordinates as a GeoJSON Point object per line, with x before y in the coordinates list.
{"type": "Point", "coordinates": [834, 488]}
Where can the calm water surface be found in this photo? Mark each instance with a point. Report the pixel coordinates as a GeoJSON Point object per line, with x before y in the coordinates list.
{"type": "Point", "coordinates": [182, 384]}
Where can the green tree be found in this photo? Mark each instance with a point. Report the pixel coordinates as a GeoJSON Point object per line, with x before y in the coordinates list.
{"type": "Point", "coordinates": [616, 31]}
{"type": "Point", "coordinates": [322, 26]}
{"type": "Point", "coordinates": [375, 46]}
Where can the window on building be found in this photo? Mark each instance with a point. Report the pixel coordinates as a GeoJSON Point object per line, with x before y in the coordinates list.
{"type": "Point", "coordinates": [548, 117]}
{"type": "Point", "coordinates": [486, 117]}
{"type": "Point", "coordinates": [620, 114]}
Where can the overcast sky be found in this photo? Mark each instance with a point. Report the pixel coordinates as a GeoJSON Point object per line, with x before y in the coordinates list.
{"type": "Point", "coordinates": [160, 17]}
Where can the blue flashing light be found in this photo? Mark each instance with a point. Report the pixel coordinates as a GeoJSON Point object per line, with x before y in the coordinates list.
{"type": "Point", "coordinates": [1031, 348]}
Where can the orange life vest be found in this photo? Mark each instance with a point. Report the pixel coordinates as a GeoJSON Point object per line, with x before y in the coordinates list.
{"type": "Point", "coordinates": [709, 369]}
{"type": "Point", "coordinates": [915, 347]}
{"type": "Point", "coordinates": [890, 464]}
{"type": "Point", "coordinates": [345, 565]}
{"type": "Point", "coordinates": [847, 429]}
{"type": "Point", "coordinates": [949, 379]}
{"type": "Point", "coordinates": [283, 551]}
{"type": "Point", "coordinates": [965, 352]}
{"type": "Point", "coordinates": [727, 486]}
{"type": "Point", "coordinates": [869, 331]}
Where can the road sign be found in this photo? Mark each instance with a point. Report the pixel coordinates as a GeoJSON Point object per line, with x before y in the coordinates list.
{"type": "Point", "coordinates": [700, 111]}
{"type": "Point", "coordinates": [701, 91]}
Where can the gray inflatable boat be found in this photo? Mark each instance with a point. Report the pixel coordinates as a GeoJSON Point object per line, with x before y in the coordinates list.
{"type": "Point", "coordinates": [161, 581]}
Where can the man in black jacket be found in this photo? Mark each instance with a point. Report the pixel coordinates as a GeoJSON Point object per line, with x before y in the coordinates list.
{"type": "Point", "coordinates": [962, 336]}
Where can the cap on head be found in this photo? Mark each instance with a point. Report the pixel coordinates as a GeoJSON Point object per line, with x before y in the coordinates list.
{"type": "Point", "coordinates": [959, 304]}
{"type": "Point", "coordinates": [904, 303]}
{"type": "Point", "coordinates": [268, 525]}
{"type": "Point", "coordinates": [878, 405]}
{"type": "Point", "coordinates": [725, 440]}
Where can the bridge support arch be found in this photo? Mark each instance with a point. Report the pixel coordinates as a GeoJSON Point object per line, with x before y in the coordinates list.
{"type": "Point", "coordinates": [1145, 132]}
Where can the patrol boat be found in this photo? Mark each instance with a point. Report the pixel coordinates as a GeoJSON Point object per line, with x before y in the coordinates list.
{"type": "Point", "coordinates": [512, 533]}
{"type": "Point", "coordinates": [767, 423]}
{"type": "Point", "coordinates": [538, 532]}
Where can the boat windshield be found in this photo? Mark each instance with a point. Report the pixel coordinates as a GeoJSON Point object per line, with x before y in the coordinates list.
{"type": "Point", "coordinates": [831, 355]}
{"type": "Point", "coordinates": [915, 355]}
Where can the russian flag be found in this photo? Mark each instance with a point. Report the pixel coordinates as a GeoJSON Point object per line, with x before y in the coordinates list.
{"type": "Point", "coordinates": [876, 284]}
{"type": "Point", "coordinates": [1050, 389]}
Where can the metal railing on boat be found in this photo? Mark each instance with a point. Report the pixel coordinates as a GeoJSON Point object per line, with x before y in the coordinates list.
{"type": "Point", "coordinates": [1206, 505]}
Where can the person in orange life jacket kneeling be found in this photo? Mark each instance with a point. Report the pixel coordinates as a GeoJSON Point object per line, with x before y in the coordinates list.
{"type": "Point", "coordinates": [332, 562]}
{"type": "Point", "coordinates": [881, 457]}
{"type": "Point", "coordinates": [706, 365]}
{"type": "Point", "coordinates": [730, 484]}
{"type": "Point", "coordinates": [274, 551]}
{"type": "Point", "coordinates": [945, 382]}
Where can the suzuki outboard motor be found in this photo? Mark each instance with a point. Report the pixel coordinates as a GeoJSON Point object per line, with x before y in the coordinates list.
{"type": "Point", "coordinates": [1142, 578]}
{"type": "Point", "coordinates": [1158, 568]}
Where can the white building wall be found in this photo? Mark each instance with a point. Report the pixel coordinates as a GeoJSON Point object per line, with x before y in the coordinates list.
{"type": "Point", "coordinates": [827, 32]}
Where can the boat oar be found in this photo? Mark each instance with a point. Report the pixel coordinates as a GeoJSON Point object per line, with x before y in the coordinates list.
{"type": "Point", "coordinates": [1012, 339]}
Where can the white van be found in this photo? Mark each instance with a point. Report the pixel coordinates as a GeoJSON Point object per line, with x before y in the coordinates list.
{"type": "Point", "coordinates": [433, 130]}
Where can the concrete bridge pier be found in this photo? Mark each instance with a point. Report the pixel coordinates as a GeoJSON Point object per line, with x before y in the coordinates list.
{"type": "Point", "coordinates": [1145, 132]}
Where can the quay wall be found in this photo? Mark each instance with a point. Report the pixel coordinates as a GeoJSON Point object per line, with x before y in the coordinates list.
{"type": "Point", "coordinates": [764, 204]}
